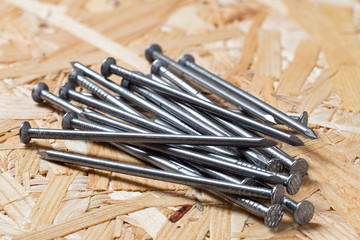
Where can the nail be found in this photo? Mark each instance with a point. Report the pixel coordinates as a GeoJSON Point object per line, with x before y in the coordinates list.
{"type": "Point", "coordinates": [292, 182]}
{"type": "Point", "coordinates": [162, 114]}
{"type": "Point", "coordinates": [41, 93]}
{"type": "Point", "coordinates": [67, 92]}
{"type": "Point", "coordinates": [302, 211]}
{"type": "Point", "coordinates": [109, 66]}
{"type": "Point", "coordinates": [77, 78]}
{"type": "Point", "coordinates": [188, 61]}
{"type": "Point", "coordinates": [272, 215]}
{"type": "Point", "coordinates": [128, 169]}
{"type": "Point", "coordinates": [154, 51]}
{"type": "Point", "coordinates": [26, 133]}
{"type": "Point", "coordinates": [195, 119]}
{"type": "Point", "coordinates": [288, 162]}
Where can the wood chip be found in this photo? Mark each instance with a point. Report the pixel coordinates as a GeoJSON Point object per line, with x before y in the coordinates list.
{"type": "Point", "coordinates": [21, 108]}
{"type": "Point", "coordinates": [337, 178]}
{"type": "Point", "coordinates": [100, 215]}
{"type": "Point", "coordinates": [220, 222]}
{"type": "Point", "coordinates": [47, 205]}
{"type": "Point", "coordinates": [250, 44]}
{"type": "Point", "coordinates": [295, 75]}
{"type": "Point", "coordinates": [15, 201]}
{"type": "Point", "coordinates": [193, 221]}
{"type": "Point", "coordinates": [320, 90]}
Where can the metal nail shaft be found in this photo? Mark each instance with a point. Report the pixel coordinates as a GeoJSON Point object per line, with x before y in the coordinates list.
{"type": "Point", "coordinates": [189, 62]}
{"type": "Point", "coordinates": [26, 133]}
{"type": "Point", "coordinates": [109, 66]}
{"type": "Point", "coordinates": [272, 215]}
{"type": "Point", "coordinates": [223, 186]}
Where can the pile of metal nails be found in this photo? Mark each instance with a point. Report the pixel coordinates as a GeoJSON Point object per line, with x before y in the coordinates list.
{"type": "Point", "coordinates": [191, 139]}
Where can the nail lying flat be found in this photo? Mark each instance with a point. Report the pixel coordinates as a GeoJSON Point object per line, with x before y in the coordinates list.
{"type": "Point", "coordinates": [276, 153]}
{"type": "Point", "coordinates": [154, 52]}
{"type": "Point", "coordinates": [109, 66]}
{"type": "Point", "coordinates": [272, 215]}
{"type": "Point", "coordinates": [223, 186]}
{"type": "Point", "coordinates": [26, 133]}
{"type": "Point", "coordinates": [189, 62]}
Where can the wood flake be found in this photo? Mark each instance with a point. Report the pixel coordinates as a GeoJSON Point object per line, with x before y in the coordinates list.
{"type": "Point", "coordinates": [320, 90]}
{"type": "Point", "coordinates": [47, 205]}
{"type": "Point", "coordinates": [295, 75]}
{"type": "Point", "coordinates": [21, 108]}
{"type": "Point", "coordinates": [337, 178]}
{"type": "Point", "coordinates": [250, 43]}
{"type": "Point", "coordinates": [15, 201]}
{"type": "Point", "coordinates": [101, 231]}
{"type": "Point", "coordinates": [100, 215]}
{"type": "Point", "coordinates": [220, 219]}
{"type": "Point", "coordinates": [193, 222]}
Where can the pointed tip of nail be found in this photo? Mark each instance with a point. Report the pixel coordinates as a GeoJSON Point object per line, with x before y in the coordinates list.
{"type": "Point", "coordinates": [311, 134]}
{"type": "Point", "coordinates": [73, 63]}
{"type": "Point", "coordinates": [295, 141]}
{"type": "Point", "coordinates": [43, 154]}
{"type": "Point", "coordinates": [270, 119]}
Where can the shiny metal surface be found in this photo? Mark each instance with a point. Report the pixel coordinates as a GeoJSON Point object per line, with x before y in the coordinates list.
{"type": "Point", "coordinates": [189, 62]}
{"type": "Point", "coordinates": [109, 66]}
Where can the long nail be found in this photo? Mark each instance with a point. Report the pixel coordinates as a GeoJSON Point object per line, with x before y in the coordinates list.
{"type": "Point", "coordinates": [292, 182]}
{"type": "Point", "coordinates": [107, 165]}
{"type": "Point", "coordinates": [272, 215]}
{"type": "Point", "coordinates": [67, 92]}
{"type": "Point", "coordinates": [302, 211]}
{"type": "Point", "coordinates": [291, 164]}
{"type": "Point", "coordinates": [109, 66]}
{"type": "Point", "coordinates": [154, 51]}
{"type": "Point", "coordinates": [26, 133]}
{"type": "Point", "coordinates": [189, 62]}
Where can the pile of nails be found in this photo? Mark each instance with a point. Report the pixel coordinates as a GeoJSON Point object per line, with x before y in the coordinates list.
{"type": "Point", "coordinates": [192, 140]}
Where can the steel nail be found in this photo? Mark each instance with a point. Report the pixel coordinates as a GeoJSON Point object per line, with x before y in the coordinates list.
{"type": "Point", "coordinates": [291, 164]}
{"type": "Point", "coordinates": [292, 182]}
{"type": "Point", "coordinates": [154, 51]}
{"type": "Point", "coordinates": [272, 215]}
{"type": "Point", "coordinates": [109, 66]}
{"type": "Point", "coordinates": [302, 211]}
{"type": "Point", "coordinates": [67, 92]}
{"type": "Point", "coordinates": [189, 61]}
{"type": "Point", "coordinates": [223, 186]}
{"type": "Point", "coordinates": [26, 133]}
{"type": "Point", "coordinates": [251, 155]}
{"type": "Point", "coordinates": [77, 78]}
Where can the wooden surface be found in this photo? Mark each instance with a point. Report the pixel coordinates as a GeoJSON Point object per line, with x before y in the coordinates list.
{"type": "Point", "coordinates": [296, 55]}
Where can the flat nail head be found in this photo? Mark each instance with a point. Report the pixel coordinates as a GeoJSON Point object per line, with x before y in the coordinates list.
{"type": "Point", "coordinates": [73, 76]}
{"type": "Point", "coordinates": [304, 118]}
{"type": "Point", "coordinates": [105, 66]}
{"type": "Point", "coordinates": [63, 91]}
{"type": "Point", "coordinates": [277, 194]}
{"type": "Point", "coordinates": [24, 132]}
{"type": "Point", "coordinates": [36, 91]}
{"type": "Point", "coordinates": [274, 215]}
{"type": "Point", "coordinates": [66, 121]}
{"type": "Point", "coordinates": [275, 165]}
{"type": "Point", "coordinates": [304, 212]}
{"type": "Point", "coordinates": [150, 50]}
{"type": "Point", "coordinates": [186, 58]}
{"type": "Point", "coordinates": [126, 83]}
{"type": "Point", "coordinates": [155, 66]}
{"type": "Point", "coordinates": [299, 165]}
{"type": "Point", "coordinates": [294, 183]}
